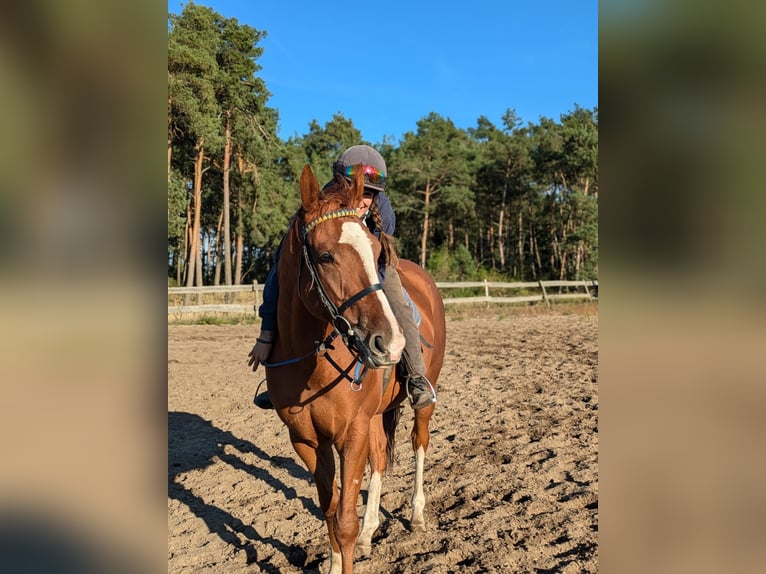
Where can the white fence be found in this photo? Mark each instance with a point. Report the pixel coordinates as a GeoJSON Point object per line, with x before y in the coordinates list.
{"type": "Point", "coordinates": [530, 292]}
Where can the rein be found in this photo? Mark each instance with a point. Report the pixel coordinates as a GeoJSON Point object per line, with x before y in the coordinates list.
{"type": "Point", "coordinates": [342, 327]}
{"type": "Point", "coordinates": [319, 348]}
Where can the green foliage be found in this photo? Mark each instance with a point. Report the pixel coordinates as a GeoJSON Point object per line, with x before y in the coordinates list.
{"type": "Point", "coordinates": [457, 266]}
{"type": "Point", "coordinates": [177, 198]}
{"type": "Point", "coordinates": [506, 201]}
{"type": "Point", "coordinates": [431, 179]}
{"type": "Point", "coordinates": [215, 98]}
{"type": "Point", "coordinates": [579, 149]}
{"type": "Point", "coordinates": [323, 145]}
{"type": "Point", "coordinates": [192, 74]}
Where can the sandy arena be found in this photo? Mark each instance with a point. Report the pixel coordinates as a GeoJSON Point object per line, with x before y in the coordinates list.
{"type": "Point", "coordinates": [511, 476]}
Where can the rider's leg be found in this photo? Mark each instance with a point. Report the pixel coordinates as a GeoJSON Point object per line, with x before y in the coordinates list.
{"type": "Point", "coordinates": [419, 389]}
{"type": "Point", "coordinates": [268, 314]}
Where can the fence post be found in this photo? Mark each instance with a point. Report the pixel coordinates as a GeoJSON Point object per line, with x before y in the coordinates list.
{"type": "Point", "coordinates": [255, 289]}
{"type": "Point", "coordinates": [545, 295]}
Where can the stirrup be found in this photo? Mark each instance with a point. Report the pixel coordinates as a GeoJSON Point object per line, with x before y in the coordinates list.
{"type": "Point", "coordinates": [422, 400]}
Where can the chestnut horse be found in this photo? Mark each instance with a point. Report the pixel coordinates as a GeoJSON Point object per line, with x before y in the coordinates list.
{"type": "Point", "coordinates": [332, 372]}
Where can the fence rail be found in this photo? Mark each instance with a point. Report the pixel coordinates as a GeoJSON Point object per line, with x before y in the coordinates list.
{"type": "Point", "coordinates": [574, 290]}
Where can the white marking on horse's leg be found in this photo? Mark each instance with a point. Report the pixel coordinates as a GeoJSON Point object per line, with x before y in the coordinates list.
{"type": "Point", "coordinates": [354, 235]}
{"type": "Point", "coordinates": [371, 520]}
{"type": "Point", "coordinates": [336, 563]}
{"type": "Point", "coordinates": [417, 521]}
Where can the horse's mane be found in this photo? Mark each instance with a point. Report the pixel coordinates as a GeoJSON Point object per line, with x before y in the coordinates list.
{"type": "Point", "coordinates": [334, 195]}
{"type": "Point", "coordinates": [336, 192]}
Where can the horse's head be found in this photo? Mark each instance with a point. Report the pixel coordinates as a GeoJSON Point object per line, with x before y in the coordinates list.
{"type": "Point", "coordinates": [343, 284]}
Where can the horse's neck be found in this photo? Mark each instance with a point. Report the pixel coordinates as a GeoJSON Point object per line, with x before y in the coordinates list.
{"type": "Point", "coordinates": [297, 319]}
{"type": "Point", "coordinates": [294, 321]}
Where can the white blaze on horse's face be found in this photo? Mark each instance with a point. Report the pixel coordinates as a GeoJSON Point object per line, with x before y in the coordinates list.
{"type": "Point", "coordinates": [353, 234]}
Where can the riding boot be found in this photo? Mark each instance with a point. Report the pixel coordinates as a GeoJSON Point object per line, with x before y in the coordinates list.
{"type": "Point", "coordinates": [263, 401]}
{"type": "Point", "coordinates": [419, 389]}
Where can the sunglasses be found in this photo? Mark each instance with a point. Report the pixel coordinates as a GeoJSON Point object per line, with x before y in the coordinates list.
{"type": "Point", "coordinates": [371, 174]}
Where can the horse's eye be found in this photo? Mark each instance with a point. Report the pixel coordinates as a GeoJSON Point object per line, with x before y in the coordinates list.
{"type": "Point", "coordinates": [326, 257]}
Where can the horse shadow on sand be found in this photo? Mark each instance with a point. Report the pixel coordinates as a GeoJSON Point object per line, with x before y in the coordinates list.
{"type": "Point", "coordinates": [194, 443]}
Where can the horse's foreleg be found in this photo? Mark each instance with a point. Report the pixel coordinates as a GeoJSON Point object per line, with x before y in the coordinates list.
{"type": "Point", "coordinates": [353, 458]}
{"type": "Point", "coordinates": [420, 440]}
{"type": "Point", "coordinates": [321, 464]}
{"type": "Point", "coordinates": [378, 462]}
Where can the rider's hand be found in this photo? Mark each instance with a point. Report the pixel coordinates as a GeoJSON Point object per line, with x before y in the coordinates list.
{"type": "Point", "coordinates": [260, 352]}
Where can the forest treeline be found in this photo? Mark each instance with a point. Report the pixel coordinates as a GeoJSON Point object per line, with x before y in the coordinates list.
{"type": "Point", "coordinates": [510, 201]}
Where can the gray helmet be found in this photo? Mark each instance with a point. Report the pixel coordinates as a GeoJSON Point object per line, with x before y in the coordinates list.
{"type": "Point", "coordinates": [373, 165]}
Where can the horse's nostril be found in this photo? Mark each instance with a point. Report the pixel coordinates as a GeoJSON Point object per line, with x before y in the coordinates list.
{"type": "Point", "coordinates": [378, 344]}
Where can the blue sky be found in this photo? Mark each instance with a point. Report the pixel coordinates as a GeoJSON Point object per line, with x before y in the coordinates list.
{"type": "Point", "coordinates": [386, 65]}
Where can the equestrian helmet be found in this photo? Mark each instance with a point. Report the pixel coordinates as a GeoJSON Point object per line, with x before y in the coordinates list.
{"type": "Point", "coordinates": [373, 165]}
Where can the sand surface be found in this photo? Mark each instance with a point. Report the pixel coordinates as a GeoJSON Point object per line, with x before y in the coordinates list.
{"type": "Point", "coordinates": [511, 476]}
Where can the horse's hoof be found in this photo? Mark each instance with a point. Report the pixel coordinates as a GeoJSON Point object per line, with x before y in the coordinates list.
{"type": "Point", "coordinates": [418, 526]}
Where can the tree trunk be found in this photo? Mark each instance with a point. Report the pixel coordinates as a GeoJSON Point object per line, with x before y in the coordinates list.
{"type": "Point", "coordinates": [424, 235]}
{"type": "Point", "coordinates": [209, 254]}
{"type": "Point", "coordinates": [194, 259]}
{"type": "Point", "coordinates": [480, 246]}
{"type": "Point", "coordinates": [555, 252]}
{"type": "Point", "coordinates": [500, 235]}
{"type": "Point", "coordinates": [562, 272]}
{"type": "Point", "coordinates": [491, 243]}
{"type": "Point", "coordinates": [536, 250]}
{"type": "Point", "coordinates": [520, 244]}
{"type": "Point", "coordinates": [187, 249]}
{"type": "Point", "coordinates": [226, 195]}
{"type": "Point", "coordinates": [239, 239]}
{"type": "Point", "coordinates": [240, 247]}
{"type": "Point", "coordinates": [183, 264]}
{"type": "Point", "coordinates": [170, 137]}
{"type": "Point", "coordinates": [532, 254]}
{"type": "Point", "coordinates": [198, 274]}
{"type": "Point", "coordinates": [179, 266]}
{"type": "Point", "coordinates": [219, 246]}
{"type": "Point", "coordinates": [569, 227]}
{"type": "Point", "coordinates": [500, 246]}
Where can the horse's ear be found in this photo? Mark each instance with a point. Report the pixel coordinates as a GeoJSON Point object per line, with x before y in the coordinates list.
{"type": "Point", "coordinates": [357, 187]}
{"type": "Point", "coordinates": [309, 188]}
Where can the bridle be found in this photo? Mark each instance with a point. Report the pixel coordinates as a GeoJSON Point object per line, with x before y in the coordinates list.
{"type": "Point", "coordinates": [350, 337]}
{"type": "Point", "coordinates": [341, 325]}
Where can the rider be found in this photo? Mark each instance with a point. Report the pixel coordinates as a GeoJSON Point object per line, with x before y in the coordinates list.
{"type": "Point", "coordinates": [377, 213]}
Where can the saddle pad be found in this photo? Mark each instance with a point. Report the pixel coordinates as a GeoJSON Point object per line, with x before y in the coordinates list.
{"type": "Point", "coordinates": [415, 312]}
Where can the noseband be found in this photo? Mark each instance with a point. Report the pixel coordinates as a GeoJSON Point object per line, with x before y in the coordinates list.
{"type": "Point", "coordinates": [350, 337]}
